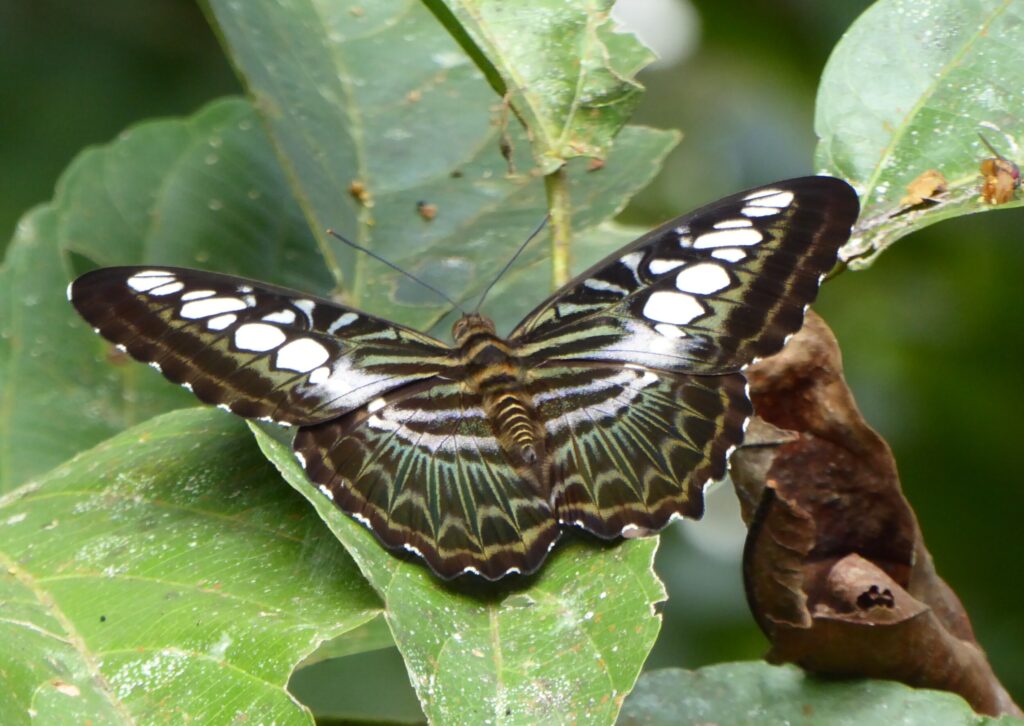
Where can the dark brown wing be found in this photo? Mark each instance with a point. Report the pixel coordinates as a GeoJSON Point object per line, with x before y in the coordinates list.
{"type": "Point", "coordinates": [705, 293]}
{"type": "Point", "coordinates": [422, 469]}
{"type": "Point", "coordinates": [258, 350]}
{"type": "Point", "coordinates": [631, 448]}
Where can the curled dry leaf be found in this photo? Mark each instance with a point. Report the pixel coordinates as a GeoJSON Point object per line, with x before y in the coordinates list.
{"type": "Point", "coordinates": [926, 187]}
{"type": "Point", "coordinates": [836, 571]}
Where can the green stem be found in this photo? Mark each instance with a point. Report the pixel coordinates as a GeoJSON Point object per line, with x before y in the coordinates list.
{"type": "Point", "coordinates": [560, 208]}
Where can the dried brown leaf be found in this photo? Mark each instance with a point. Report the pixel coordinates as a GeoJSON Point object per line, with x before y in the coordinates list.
{"type": "Point", "coordinates": [836, 570]}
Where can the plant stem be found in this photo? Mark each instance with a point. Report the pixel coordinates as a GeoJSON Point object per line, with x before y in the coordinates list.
{"type": "Point", "coordinates": [560, 208]}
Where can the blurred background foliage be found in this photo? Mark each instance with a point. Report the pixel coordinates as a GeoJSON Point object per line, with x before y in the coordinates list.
{"type": "Point", "coordinates": [932, 334]}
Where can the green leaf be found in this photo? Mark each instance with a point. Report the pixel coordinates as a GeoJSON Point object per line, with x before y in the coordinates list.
{"type": "Point", "coordinates": [166, 574]}
{"type": "Point", "coordinates": [564, 68]}
{"type": "Point", "coordinates": [908, 89]}
{"type": "Point", "coordinates": [371, 636]}
{"type": "Point", "coordinates": [569, 641]}
{"type": "Point", "coordinates": [348, 690]}
{"type": "Point", "coordinates": [378, 93]}
{"type": "Point", "coordinates": [757, 693]}
{"type": "Point", "coordinates": [207, 192]}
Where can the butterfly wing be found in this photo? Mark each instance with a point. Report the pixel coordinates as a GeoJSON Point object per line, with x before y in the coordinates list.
{"type": "Point", "coordinates": [705, 293]}
{"type": "Point", "coordinates": [422, 469]}
{"type": "Point", "coordinates": [259, 351]}
{"type": "Point", "coordinates": [636, 363]}
{"type": "Point", "coordinates": [630, 448]}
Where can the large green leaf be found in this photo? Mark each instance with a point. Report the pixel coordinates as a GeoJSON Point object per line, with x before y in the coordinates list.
{"type": "Point", "coordinates": [563, 67]}
{"type": "Point", "coordinates": [908, 89]}
{"type": "Point", "coordinates": [756, 694]}
{"type": "Point", "coordinates": [167, 575]}
{"type": "Point", "coordinates": [207, 192]}
{"type": "Point", "coordinates": [561, 647]}
{"type": "Point", "coordinates": [379, 94]}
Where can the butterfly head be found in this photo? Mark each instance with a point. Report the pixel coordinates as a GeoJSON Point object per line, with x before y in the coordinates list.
{"type": "Point", "coordinates": [469, 325]}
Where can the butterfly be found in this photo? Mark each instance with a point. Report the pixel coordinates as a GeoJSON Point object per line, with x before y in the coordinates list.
{"type": "Point", "coordinates": [608, 408]}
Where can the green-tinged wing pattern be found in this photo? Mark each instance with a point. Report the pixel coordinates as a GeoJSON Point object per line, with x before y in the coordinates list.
{"type": "Point", "coordinates": [608, 408]}
{"type": "Point", "coordinates": [423, 470]}
{"type": "Point", "coordinates": [631, 448]}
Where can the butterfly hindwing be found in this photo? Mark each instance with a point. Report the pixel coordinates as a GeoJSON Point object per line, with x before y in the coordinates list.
{"type": "Point", "coordinates": [707, 292]}
{"type": "Point", "coordinates": [630, 448]}
{"type": "Point", "coordinates": [257, 350]}
{"type": "Point", "coordinates": [422, 468]}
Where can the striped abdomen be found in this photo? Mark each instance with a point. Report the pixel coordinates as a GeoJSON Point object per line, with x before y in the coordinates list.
{"type": "Point", "coordinates": [496, 375]}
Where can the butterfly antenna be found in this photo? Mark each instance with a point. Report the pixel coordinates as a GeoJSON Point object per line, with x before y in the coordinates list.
{"type": "Point", "coordinates": [514, 257]}
{"type": "Point", "coordinates": [394, 267]}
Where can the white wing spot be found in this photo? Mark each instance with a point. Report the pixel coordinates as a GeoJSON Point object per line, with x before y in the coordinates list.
{"type": "Point", "coordinates": [777, 199]}
{"type": "Point", "coordinates": [209, 307]}
{"type": "Point", "coordinates": [198, 295]}
{"type": "Point", "coordinates": [729, 254]}
{"type": "Point", "coordinates": [631, 260]}
{"type": "Point", "coordinates": [376, 405]}
{"type": "Point", "coordinates": [302, 355]}
{"type": "Point", "coordinates": [258, 337]}
{"type": "Point", "coordinates": [595, 284]}
{"type": "Point", "coordinates": [306, 306]}
{"type": "Point", "coordinates": [728, 238]}
{"type": "Point", "coordinates": [148, 279]}
{"type": "Point", "coordinates": [319, 376]}
{"type": "Point", "coordinates": [342, 321]}
{"type": "Point", "coordinates": [221, 321]}
{"type": "Point", "coordinates": [733, 224]}
{"type": "Point", "coordinates": [326, 492]}
{"type": "Point", "coordinates": [764, 192]}
{"type": "Point", "coordinates": [669, 331]}
{"type": "Point", "coordinates": [168, 289]}
{"type": "Point", "coordinates": [245, 289]}
{"type": "Point", "coordinates": [301, 458]}
{"type": "Point", "coordinates": [672, 307]}
{"type": "Point", "coordinates": [759, 211]}
{"type": "Point", "coordinates": [361, 518]}
{"type": "Point", "coordinates": [154, 364]}
{"type": "Point", "coordinates": [286, 317]}
{"type": "Point", "coordinates": [658, 267]}
{"type": "Point", "coordinates": [703, 279]}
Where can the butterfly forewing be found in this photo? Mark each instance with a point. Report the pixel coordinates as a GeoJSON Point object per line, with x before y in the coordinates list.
{"type": "Point", "coordinates": [707, 292]}
{"type": "Point", "coordinates": [258, 350]}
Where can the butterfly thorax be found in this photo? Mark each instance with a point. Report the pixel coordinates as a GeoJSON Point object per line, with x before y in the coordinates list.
{"type": "Point", "coordinates": [495, 373]}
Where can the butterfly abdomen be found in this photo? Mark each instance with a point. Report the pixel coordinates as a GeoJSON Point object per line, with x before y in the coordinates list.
{"type": "Point", "coordinates": [494, 372]}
